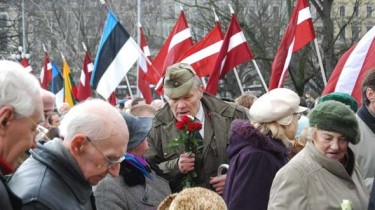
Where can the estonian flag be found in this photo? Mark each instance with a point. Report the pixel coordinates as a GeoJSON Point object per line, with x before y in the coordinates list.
{"type": "Point", "coordinates": [117, 53]}
{"type": "Point", "coordinates": [57, 84]}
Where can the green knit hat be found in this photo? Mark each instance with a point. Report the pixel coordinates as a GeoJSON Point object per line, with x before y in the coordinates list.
{"type": "Point", "coordinates": [337, 117]}
{"type": "Point", "coordinates": [341, 97]}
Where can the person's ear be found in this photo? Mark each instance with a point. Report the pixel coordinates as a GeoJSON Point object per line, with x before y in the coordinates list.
{"type": "Point", "coordinates": [6, 115]}
{"type": "Point", "coordinates": [201, 90]}
{"type": "Point", "coordinates": [78, 145]}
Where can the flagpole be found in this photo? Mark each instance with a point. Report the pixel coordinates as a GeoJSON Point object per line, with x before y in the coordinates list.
{"type": "Point", "coordinates": [320, 61]}
{"type": "Point", "coordinates": [238, 80]}
{"type": "Point", "coordinates": [235, 69]}
{"type": "Point", "coordinates": [84, 47]}
{"type": "Point", "coordinates": [139, 11]}
{"type": "Point", "coordinates": [260, 75]}
{"type": "Point", "coordinates": [129, 88]}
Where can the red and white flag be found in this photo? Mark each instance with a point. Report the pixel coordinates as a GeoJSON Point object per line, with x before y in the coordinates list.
{"type": "Point", "coordinates": [300, 32]}
{"type": "Point", "coordinates": [25, 63]}
{"type": "Point", "coordinates": [233, 51]}
{"type": "Point", "coordinates": [179, 40]}
{"type": "Point", "coordinates": [352, 67]}
{"type": "Point", "coordinates": [144, 70]}
{"type": "Point", "coordinates": [46, 72]}
{"type": "Point", "coordinates": [202, 56]}
{"type": "Point", "coordinates": [84, 88]}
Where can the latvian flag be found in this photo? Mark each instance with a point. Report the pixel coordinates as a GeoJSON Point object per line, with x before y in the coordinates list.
{"type": "Point", "coordinates": [117, 53]}
{"type": "Point", "coordinates": [352, 67]}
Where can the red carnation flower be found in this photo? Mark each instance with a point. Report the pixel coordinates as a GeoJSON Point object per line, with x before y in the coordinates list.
{"type": "Point", "coordinates": [194, 126]}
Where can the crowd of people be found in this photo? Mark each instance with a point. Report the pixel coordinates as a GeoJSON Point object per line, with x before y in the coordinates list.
{"type": "Point", "coordinates": [281, 151]}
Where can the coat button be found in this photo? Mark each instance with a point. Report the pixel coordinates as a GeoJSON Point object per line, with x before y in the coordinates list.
{"type": "Point", "coordinates": [145, 199]}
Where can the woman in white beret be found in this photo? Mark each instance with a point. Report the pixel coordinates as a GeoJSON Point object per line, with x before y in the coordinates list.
{"type": "Point", "coordinates": [258, 149]}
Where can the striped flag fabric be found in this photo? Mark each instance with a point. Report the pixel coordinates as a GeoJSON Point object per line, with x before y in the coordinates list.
{"type": "Point", "coordinates": [144, 70]}
{"type": "Point", "coordinates": [117, 53]}
{"type": "Point", "coordinates": [233, 51]}
{"type": "Point", "coordinates": [46, 72]}
{"type": "Point", "coordinates": [68, 85]}
{"type": "Point", "coordinates": [179, 40]}
{"type": "Point", "coordinates": [299, 33]}
{"type": "Point", "coordinates": [352, 67]}
{"type": "Point", "coordinates": [84, 88]}
{"type": "Point", "coordinates": [202, 56]}
{"type": "Point", "coordinates": [25, 63]}
{"type": "Point", "coordinates": [57, 86]}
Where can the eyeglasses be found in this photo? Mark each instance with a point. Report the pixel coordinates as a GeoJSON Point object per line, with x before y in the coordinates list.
{"type": "Point", "coordinates": [110, 163]}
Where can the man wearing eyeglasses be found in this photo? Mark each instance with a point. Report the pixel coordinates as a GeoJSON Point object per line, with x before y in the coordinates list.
{"type": "Point", "coordinates": [20, 109]}
{"type": "Point", "coordinates": [60, 174]}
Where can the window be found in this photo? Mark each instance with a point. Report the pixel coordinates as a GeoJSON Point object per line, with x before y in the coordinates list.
{"type": "Point", "coordinates": [275, 11]}
{"type": "Point", "coordinates": [369, 11]}
{"type": "Point", "coordinates": [342, 11]}
{"type": "Point", "coordinates": [171, 12]}
{"type": "Point", "coordinates": [3, 21]}
{"type": "Point", "coordinates": [252, 11]}
{"type": "Point", "coordinates": [355, 32]}
{"type": "Point", "coordinates": [342, 35]}
{"type": "Point", "coordinates": [355, 11]}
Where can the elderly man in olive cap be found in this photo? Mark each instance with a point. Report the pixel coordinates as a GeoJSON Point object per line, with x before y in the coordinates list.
{"type": "Point", "coordinates": [185, 96]}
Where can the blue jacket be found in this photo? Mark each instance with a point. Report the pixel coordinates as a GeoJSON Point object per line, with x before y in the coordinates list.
{"type": "Point", "coordinates": [254, 159]}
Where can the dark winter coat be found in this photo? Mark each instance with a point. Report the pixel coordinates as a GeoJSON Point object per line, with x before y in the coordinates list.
{"type": "Point", "coordinates": [254, 159]}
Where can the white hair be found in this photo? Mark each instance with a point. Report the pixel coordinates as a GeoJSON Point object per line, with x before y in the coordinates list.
{"type": "Point", "coordinates": [89, 118]}
{"type": "Point", "coordinates": [18, 89]}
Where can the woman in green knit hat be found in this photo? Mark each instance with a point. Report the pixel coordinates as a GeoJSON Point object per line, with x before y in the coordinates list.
{"type": "Point", "coordinates": [324, 173]}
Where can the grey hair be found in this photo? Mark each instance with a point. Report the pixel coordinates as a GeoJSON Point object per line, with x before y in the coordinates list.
{"type": "Point", "coordinates": [82, 120]}
{"type": "Point", "coordinates": [18, 89]}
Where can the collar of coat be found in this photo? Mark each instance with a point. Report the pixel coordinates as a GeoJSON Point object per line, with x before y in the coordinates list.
{"type": "Point", "coordinates": [211, 105]}
{"type": "Point", "coordinates": [244, 134]}
{"type": "Point", "coordinates": [333, 166]}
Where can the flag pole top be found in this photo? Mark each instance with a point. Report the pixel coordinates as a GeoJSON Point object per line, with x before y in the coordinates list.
{"type": "Point", "coordinates": [231, 9]}
{"type": "Point", "coordinates": [44, 48]}
{"type": "Point", "coordinates": [181, 8]}
{"type": "Point", "coordinates": [216, 17]}
{"type": "Point", "coordinates": [84, 46]}
{"type": "Point", "coordinates": [62, 55]}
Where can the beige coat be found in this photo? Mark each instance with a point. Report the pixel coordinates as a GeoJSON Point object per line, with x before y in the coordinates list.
{"type": "Point", "coordinates": [218, 118]}
{"type": "Point", "coordinates": [312, 181]}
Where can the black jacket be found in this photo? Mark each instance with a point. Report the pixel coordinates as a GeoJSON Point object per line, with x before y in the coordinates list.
{"type": "Point", "coordinates": [47, 181]}
{"type": "Point", "coordinates": [8, 200]}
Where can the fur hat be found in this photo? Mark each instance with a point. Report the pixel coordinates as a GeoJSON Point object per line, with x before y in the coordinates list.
{"type": "Point", "coordinates": [341, 97]}
{"type": "Point", "coordinates": [178, 80]}
{"type": "Point", "coordinates": [336, 117]}
{"type": "Point", "coordinates": [195, 198]}
{"type": "Point", "coordinates": [277, 105]}
{"type": "Point", "coordinates": [139, 127]}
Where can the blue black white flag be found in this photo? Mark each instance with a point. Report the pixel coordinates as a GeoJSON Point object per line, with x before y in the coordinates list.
{"type": "Point", "coordinates": [116, 54]}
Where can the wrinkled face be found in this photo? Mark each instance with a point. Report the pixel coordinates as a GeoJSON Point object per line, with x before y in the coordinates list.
{"type": "Point", "coordinates": [331, 144]}
{"type": "Point", "coordinates": [141, 149]}
{"type": "Point", "coordinates": [20, 135]}
{"type": "Point", "coordinates": [187, 104]}
{"type": "Point", "coordinates": [102, 157]}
